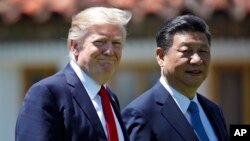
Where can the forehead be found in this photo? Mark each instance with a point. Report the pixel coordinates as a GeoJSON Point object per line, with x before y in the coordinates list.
{"type": "Point", "coordinates": [109, 30]}
{"type": "Point", "coordinates": [190, 37]}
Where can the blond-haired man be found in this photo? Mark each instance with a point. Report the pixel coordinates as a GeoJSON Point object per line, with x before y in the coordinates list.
{"type": "Point", "coordinates": [68, 106]}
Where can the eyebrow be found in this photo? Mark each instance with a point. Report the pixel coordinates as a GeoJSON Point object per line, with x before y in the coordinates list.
{"type": "Point", "coordinates": [118, 38]}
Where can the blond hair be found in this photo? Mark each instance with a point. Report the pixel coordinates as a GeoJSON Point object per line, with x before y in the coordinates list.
{"type": "Point", "coordinates": [97, 15]}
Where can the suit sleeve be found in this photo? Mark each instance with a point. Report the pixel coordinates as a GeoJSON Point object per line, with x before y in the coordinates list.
{"type": "Point", "coordinates": [39, 119]}
{"type": "Point", "coordinates": [137, 126]}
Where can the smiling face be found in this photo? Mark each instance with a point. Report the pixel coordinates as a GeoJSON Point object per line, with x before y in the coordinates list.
{"type": "Point", "coordinates": [185, 65]}
{"type": "Point", "coordinates": [99, 52]}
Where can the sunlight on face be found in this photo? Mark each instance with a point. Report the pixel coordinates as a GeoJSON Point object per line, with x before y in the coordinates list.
{"type": "Point", "coordinates": [101, 50]}
{"type": "Point", "coordinates": [187, 61]}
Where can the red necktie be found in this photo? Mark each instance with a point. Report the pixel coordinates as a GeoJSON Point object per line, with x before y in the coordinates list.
{"type": "Point", "coordinates": [108, 114]}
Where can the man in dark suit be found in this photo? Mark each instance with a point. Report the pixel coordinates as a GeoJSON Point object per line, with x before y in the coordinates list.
{"type": "Point", "coordinates": [75, 104]}
{"type": "Point", "coordinates": [172, 110]}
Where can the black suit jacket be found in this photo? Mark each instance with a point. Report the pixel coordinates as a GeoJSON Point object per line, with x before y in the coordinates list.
{"type": "Point", "coordinates": [58, 108]}
{"type": "Point", "coordinates": [154, 116]}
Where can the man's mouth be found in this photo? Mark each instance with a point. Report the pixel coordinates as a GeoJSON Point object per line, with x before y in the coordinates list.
{"type": "Point", "coordinates": [194, 72]}
{"type": "Point", "coordinates": [106, 60]}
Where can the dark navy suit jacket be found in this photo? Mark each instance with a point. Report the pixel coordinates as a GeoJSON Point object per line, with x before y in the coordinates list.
{"type": "Point", "coordinates": [58, 108]}
{"type": "Point", "coordinates": [154, 116]}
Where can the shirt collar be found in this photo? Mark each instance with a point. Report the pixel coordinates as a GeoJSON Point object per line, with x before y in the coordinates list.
{"type": "Point", "coordinates": [181, 100]}
{"type": "Point", "coordinates": [89, 84]}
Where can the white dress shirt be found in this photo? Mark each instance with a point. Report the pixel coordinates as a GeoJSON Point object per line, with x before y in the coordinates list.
{"type": "Point", "coordinates": [183, 103]}
{"type": "Point", "coordinates": [92, 89]}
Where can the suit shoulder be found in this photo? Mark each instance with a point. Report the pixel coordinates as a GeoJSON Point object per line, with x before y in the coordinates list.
{"type": "Point", "coordinates": [48, 85]}
{"type": "Point", "coordinates": [51, 80]}
{"type": "Point", "coordinates": [142, 102]}
{"type": "Point", "coordinates": [208, 104]}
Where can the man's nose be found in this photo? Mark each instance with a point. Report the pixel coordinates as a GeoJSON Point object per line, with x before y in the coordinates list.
{"type": "Point", "coordinates": [196, 59]}
{"type": "Point", "coordinates": [109, 49]}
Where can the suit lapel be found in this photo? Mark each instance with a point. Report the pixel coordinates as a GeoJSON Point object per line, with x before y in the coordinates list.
{"type": "Point", "coordinates": [171, 112]}
{"type": "Point", "coordinates": [81, 97]}
{"type": "Point", "coordinates": [213, 116]}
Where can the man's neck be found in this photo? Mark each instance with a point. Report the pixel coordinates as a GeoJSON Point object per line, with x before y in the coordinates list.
{"type": "Point", "coordinates": [189, 92]}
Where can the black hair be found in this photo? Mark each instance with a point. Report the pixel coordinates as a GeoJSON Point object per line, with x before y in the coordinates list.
{"type": "Point", "coordinates": [164, 37]}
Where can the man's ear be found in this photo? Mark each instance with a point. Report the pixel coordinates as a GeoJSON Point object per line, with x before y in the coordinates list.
{"type": "Point", "coordinates": [160, 53]}
{"type": "Point", "coordinates": [73, 47]}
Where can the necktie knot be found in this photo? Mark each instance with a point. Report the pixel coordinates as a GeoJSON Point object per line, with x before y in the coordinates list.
{"type": "Point", "coordinates": [193, 108]}
{"type": "Point", "coordinates": [103, 92]}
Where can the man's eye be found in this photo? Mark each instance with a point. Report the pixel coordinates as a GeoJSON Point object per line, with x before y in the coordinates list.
{"type": "Point", "coordinates": [99, 43]}
{"type": "Point", "coordinates": [117, 44]}
{"type": "Point", "coordinates": [185, 51]}
{"type": "Point", "coordinates": [204, 51]}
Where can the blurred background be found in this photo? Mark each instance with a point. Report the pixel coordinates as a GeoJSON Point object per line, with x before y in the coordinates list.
{"type": "Point", "coordinates": [33, 36]}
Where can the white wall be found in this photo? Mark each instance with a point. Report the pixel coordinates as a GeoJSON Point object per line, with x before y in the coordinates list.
{"type": "Point", "coordinates": [9, 86]}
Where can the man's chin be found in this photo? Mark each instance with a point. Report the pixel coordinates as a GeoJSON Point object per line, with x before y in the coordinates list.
{"type": "Point", "coordinates": [194, 84]}
{"type": "Point", "coordinates": [107, 71]}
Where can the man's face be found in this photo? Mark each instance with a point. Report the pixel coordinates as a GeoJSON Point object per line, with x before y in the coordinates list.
{"type": "Point", "coordinates": [186, 63]}
{"type": "Point", "coordinates": [100, 51]}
